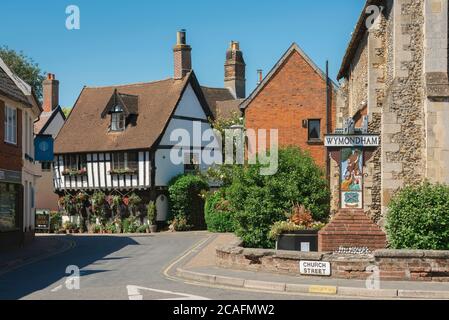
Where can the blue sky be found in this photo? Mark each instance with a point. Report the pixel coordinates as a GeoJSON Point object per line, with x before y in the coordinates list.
{"type": "Point", "coordinates": [126, 42]}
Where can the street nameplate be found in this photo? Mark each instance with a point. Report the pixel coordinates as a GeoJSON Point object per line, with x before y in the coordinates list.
{"type": "Point", "coordinates": [314, 268]}
{"type": "Point", "coordinates": [352, 140]}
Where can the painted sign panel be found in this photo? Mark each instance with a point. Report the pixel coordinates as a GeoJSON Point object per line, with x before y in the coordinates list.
{"type": "Point", "coordinates": [43, 148]}
{"type": "Point", "coordinates": [315, 268]}
{"type": "Point", "coordinates": [352, 141]}
{"type": "Point", "coordinates": [11, 176]}
{"type": "Point", "coordinates": [351, 182]}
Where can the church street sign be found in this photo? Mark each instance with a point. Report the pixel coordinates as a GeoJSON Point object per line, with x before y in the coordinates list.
{"type": "Point", "coordinates": [315, 268]}
{"type": "Point", "coordinates": [342, 140]}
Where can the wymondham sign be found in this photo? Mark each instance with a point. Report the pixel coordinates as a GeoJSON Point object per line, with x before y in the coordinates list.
{"type": "Point", "coordinates": [343, 141]}
{"type": "Point", "coordinates": [315, 268]}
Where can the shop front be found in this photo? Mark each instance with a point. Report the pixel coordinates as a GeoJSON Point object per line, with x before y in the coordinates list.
{"type": "Point", "coordinates": [11, 209]}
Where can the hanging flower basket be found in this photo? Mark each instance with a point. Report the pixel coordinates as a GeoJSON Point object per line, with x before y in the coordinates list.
{"type": "Point", "coordinates": [122, 171]}
{"type": "Point", "coordinates": [71, 173]}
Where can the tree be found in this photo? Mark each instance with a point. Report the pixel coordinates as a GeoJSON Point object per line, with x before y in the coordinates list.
{"type": "Point", "coordinates": [24, 67]}
{"type": "Point", "coordinates": [259, 201]}
{"type": "Point", "coordinates": [418, 218]}
{"type": "Point", "coordinates": [66, 111]}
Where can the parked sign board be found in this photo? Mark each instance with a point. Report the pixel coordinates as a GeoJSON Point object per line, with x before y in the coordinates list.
{"type": "Point", "coordinates": [341, 140]}
{"type": "Point", "coordinates": [314, 268]}
{"type": "Point", "coordinates": [42, 220]}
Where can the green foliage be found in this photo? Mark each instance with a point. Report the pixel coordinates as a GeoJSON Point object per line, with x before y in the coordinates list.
{"type": "Point", "coordinates": [218, 213]}
{"type": "Point", "coordinates": [151, 213]}
{"type": "Point", "coordinates": [260, 201]}
{"type": "Point", "coordinates": [67, 203]}
{"type": "Point", "coordinates": [418, 218]}
{"type": "Point", "coordinates": [130, 225]}
{"type": "Point", "coordinates": [55, 221]}
{"type": "Point", "coordinates": [70, 226]}
{"type": "Point", "coordinates": [133, 202]}
{"type": "Point", "coordinates": [142, 229]}
{"type": "Point", "coordinates": [222, 123]}
{"type": "Point", "coordinates": [96, 228]}
{"type": "Point", "coordinates": [281, 227]}
{"type": "Point", "coordinates": [24, 67]}
{"type": "Point", "coordinates": [186, 195]}
{"type": "Point", "coordinates": [179, 223]}
{"type": "Point", "coordinates": [66, 111]}
{"type": "Point", "coordinates": [98, 200]}
{"type": "Point", "coordinates": [111, 228]}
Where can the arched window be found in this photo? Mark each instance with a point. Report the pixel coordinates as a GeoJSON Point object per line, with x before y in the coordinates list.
{"type": "Point", "coordinates": [117, 119]}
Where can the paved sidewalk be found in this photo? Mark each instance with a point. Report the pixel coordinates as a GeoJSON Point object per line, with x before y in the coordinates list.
{"type": "Point", "coordinates": [43, 246]}
{"type": "Point", "coordinates": [202, 268]}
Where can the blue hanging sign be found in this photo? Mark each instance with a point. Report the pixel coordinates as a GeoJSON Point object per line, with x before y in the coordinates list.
{"type": "Point", "coordinates": [43, 148]}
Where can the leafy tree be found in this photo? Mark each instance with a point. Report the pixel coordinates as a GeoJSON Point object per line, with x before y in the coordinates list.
{"type": "Point", "coordinates": [66, 111]}
{"type": "Point", "coordinates": [24, 67]}
{"type": "Point", "coordinates": [186, 197]}
{"type": "Point", "coordinates": [221, 123]}
{"type": "Point", "coordinates": [218, 213]}
{"type": "Point", "coordinates": [259, 201]}
{"type": "Point", "coordinates": [418, 218]}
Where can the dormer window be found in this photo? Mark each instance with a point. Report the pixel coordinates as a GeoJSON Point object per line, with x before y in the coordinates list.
{"type": "Point", "coordinates": [117, 119]}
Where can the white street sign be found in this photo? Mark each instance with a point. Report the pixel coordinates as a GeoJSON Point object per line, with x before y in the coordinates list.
{"type": "Point", "coordinates": [315, 268]}
{"type": "Point", "coordinates": [352, 141]}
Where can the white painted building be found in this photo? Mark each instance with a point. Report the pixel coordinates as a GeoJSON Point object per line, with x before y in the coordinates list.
{"type": "Point", "coordinates": [126, 139]}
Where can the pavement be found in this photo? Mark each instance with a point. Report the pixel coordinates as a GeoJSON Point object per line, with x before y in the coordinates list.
{"type": "Point", "coordinates": [42, 247]}
{"type": "Point", "coordinates": [202, 268]}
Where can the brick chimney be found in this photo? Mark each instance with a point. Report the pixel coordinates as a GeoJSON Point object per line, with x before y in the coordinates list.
{"type": "Point", "coordinates": [51, 93]}
{"type": "Point", "coordinates": [182, 55]}
{"type": "Point", "coordinates": [235, 71]}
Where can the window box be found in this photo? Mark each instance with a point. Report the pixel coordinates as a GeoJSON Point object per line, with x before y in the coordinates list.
{"type": "Point", "coordinates": [70, 172]}
{"type": "Point", "coordinates": [122, 171]}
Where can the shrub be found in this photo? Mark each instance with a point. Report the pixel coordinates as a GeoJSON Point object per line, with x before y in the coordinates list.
{"type": "Point", "coordinates": [186, 197]}
{"type": "Point", "coordinates": [300, 216]}
{"type": "Point", "coordinates": [218, 213]}
{"type": "Point", "coordinates": [142, 229]}
{"type": "Point", "coordinates": [130, 225]}
{"type": "Point", "coordinates": [179, 223]}
{"type": "Point", "coordinates": [260, 201]}
{"type": "Point", "coordinates": [55, 221]}
{"type": "Point", "coordinates": [418, 218]}
{"type": "Point", "coordinates": [151, 213]}
{"type": "Point", "coordinates": [281, 227]}
{"type": "Point", "coordinates": [111, 228]}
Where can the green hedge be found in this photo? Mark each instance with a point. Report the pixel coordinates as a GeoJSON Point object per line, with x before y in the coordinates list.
{"type": "Point", "coordinates": [260, 201]}
{"type": "Point", "coordinates": [218, 213]}
{"type": "Point", "coordinates": [186, 199]}
{"type": "Point", "coordinates": [418, 218]}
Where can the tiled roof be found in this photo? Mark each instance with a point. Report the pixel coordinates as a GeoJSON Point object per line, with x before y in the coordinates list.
{"type": "Point", "coordinates": [86, 130]}
{"type": "Point", "coordinates": [10, 89]}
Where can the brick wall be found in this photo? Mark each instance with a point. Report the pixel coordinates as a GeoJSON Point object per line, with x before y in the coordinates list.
{"type": "Point", "coordinates": [10, 155]}
{"type": "Point", "coordinates": [351, 228]}
{"type": "Point", "coordinates": [295, 93]}
{"type": "Point", "coordinates": [394, 265]}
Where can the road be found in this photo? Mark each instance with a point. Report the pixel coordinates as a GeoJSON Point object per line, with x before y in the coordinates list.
{"type": "Point", "coordinates": [119, 267]}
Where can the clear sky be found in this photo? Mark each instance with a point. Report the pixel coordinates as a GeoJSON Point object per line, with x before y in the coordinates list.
{"type": "Point", "coordinates": [131, 41]}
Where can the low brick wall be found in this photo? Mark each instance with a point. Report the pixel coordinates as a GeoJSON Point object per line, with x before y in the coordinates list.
{"type": "Point", "coordinates": [399, 265]}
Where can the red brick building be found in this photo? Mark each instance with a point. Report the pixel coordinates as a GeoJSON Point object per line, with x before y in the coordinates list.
{"type": "Point", "coordinates": [19, 108]}
{"type": "Point", "coordinates": [293, 99]}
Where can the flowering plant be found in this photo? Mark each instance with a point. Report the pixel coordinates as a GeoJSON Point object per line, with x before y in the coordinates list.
{"type": "Point", "coordinates": [74, 172]}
